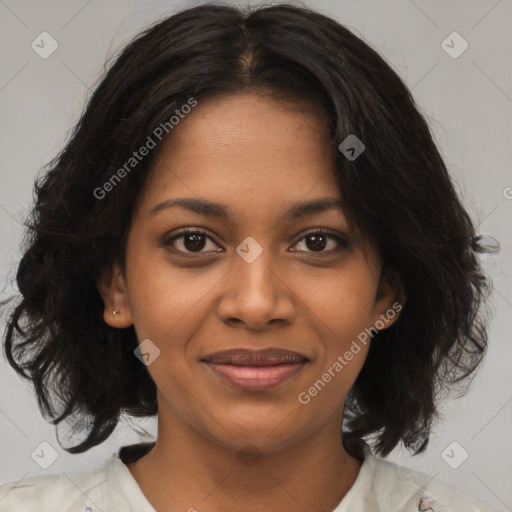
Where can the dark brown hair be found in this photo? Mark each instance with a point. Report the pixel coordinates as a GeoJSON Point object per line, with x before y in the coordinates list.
{"type": "Point", "coordinates": [397, 192]}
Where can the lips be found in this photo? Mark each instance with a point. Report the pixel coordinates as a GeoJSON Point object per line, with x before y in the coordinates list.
{"type": "Point", "coordinates": [246, 357]}
{"type": "Point", "coordinates": [251, 370]}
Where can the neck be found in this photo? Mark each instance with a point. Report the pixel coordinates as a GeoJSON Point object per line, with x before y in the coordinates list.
{"type": "Point", "coordinates": [187, 470]}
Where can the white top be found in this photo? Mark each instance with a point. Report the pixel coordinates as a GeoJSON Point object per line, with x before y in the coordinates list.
{"type": "Point", "coordinates": [380, 486]}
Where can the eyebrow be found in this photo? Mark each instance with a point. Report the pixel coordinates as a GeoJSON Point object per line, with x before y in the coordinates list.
{"type": "Point", "coordinates": [219, 210]}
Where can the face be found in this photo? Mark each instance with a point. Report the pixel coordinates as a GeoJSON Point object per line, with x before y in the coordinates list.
{"type": "Point", "coordinates": [247, 274]}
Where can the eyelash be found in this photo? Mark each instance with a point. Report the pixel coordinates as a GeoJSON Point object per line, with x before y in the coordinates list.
{"type": "Point", "coordinates": [341, 241]}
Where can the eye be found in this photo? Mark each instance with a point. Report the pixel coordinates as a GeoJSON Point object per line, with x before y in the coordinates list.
{"type": "Point", "coordinates": [318, 239]}
{"type": "Point", "coordinates": [194, 240]}
{"type": "Point", "coordinates": [189, 241]}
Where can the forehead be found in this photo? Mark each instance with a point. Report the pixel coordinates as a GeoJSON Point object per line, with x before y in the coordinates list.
{"type": "Point", "coordinates": [246, 145]}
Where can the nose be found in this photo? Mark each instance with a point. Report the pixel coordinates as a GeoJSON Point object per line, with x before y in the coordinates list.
{"type": "Point", "coordinates": [256, 294]}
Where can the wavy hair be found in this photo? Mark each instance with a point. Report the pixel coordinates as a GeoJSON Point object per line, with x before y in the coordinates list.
{"type": "Point", "coordinates": [398, 193]}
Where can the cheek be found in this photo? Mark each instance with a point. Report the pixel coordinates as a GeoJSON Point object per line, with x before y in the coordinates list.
{"type": "Point", "coordinates": [345, 342]}
{"type": "Point", "coordinates": [344, 309]}
{"type": "Point", "coordinates": [343, 306]}
{"type": "Point", "coordinates": [165, 300]}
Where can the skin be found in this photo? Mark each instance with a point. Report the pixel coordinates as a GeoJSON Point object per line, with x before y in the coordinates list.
{"type": "Point", "coordinates": [258, 157]}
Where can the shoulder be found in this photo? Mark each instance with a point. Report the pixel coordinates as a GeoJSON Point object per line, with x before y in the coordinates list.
{"type": "Point", "coordinates": [54, 492]}
{"type": "Point", "coordinates": [417, 491]}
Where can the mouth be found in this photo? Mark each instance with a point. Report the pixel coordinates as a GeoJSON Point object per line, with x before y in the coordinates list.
{"type": "Point", "coordinates": [251, 370]}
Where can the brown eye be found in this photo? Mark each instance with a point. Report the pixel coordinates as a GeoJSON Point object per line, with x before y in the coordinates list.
{"type": "Point", "coordinates": [316, 241]}
{"type": "Point", "coordinates": [189, 241]}
{"type": "Point", "coordinates": [194, 241]}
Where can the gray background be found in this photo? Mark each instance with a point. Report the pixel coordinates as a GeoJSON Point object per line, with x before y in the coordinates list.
{"type": "Point", "coordinates": [467, 100]}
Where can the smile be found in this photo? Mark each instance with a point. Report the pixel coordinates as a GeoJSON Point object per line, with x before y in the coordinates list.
{"type": "Point", "coordinates": [256, 378]}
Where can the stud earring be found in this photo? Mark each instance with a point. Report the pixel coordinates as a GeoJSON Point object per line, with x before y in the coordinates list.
{"type": "Point", "coordinates": [115, 312]}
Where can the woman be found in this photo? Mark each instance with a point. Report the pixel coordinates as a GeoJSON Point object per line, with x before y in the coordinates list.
{"type": "Point", "coordinates": [252, 234]}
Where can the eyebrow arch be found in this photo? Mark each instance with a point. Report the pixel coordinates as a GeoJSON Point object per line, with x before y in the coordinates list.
{"type": "Point", "coordinates": [219, 210]}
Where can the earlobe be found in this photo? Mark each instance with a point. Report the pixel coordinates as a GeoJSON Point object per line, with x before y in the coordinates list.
{"type": "Point", "coordinates": [112, 288]}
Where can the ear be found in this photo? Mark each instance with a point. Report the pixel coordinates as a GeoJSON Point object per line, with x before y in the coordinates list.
{"type": "Point", "coordinates": [112, 288]}
{"type": "Point", "coordinates": [389, 300]}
